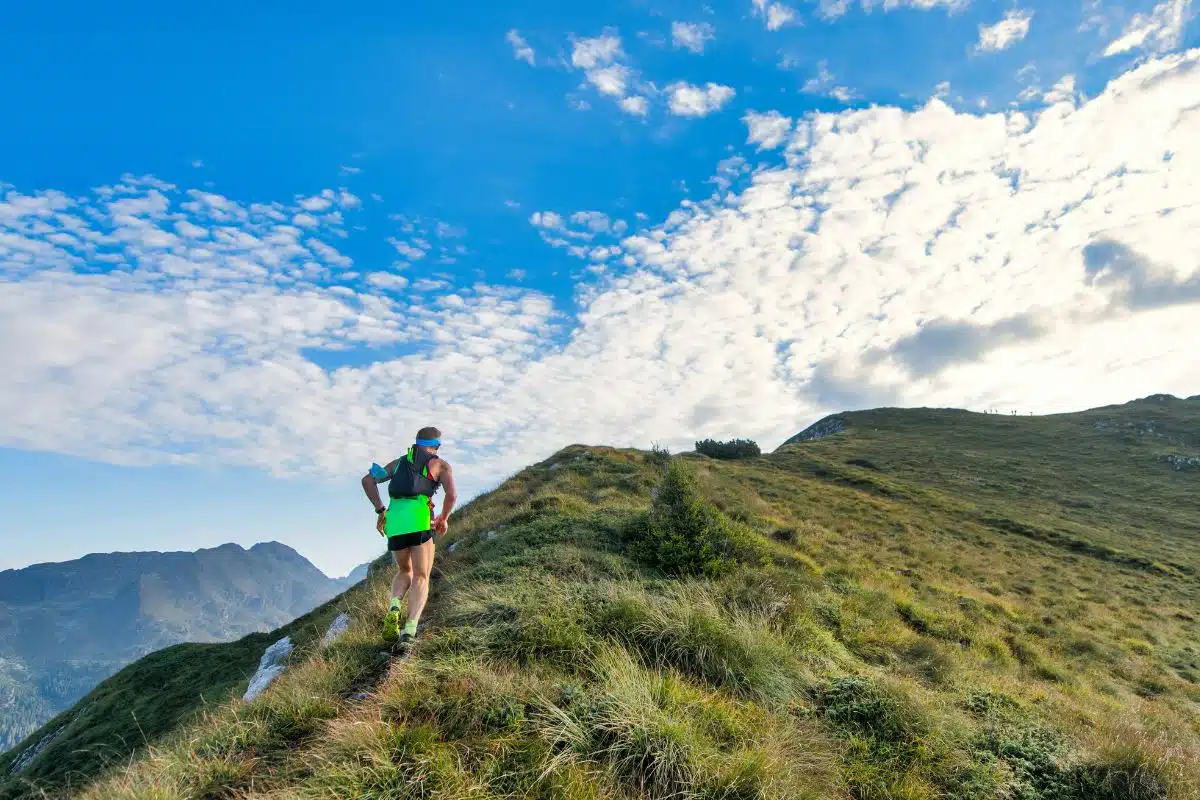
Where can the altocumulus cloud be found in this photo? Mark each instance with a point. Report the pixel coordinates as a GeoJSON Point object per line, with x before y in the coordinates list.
{"type": "Point", "coordinates": [926, 257]}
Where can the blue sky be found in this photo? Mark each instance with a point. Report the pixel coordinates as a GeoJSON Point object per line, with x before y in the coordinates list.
{"type": "Point", "coordinates": [244, 253]}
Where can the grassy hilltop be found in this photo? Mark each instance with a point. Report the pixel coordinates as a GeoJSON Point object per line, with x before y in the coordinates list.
{"type": "Point", "coordinates": [925, 604]}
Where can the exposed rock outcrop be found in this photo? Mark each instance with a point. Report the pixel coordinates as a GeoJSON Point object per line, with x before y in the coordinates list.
{"type": "Point", "coordinates": [819, 430]}
{"type": "Point", "coordinates": [270, 667]}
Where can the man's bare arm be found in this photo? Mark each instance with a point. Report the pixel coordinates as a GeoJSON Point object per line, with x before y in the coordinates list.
{"type": "Point", "coordinates": [446, 478]}
{"type": "Point", "coordinates": [370, 484]}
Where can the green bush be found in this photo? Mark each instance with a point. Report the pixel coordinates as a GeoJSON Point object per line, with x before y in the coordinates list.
{"type": "Point", "coordinates": [684, 534]}
{"type": "Point", "coordinates": [734, 448]}
{"type": "Point", "coordinates": [858, 705]}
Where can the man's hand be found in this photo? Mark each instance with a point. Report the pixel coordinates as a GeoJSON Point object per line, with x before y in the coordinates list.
{"type": "Point", "coordinates": [440, 526]}
{"type": "Point", "coordinates": [381, 523]}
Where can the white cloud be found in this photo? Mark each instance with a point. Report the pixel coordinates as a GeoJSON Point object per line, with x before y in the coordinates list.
{"type": "Point", "coordinates": [691, 36]}
{"type": "Point", "coordinates": [573, 232]}
{"type": "Point", "coordinates": [774, 14]}
{"type": "Point", "coordinates": [1157, 32]}
{"type": "Point", "coordinates": [832, 9]}
{"type": "Point", "coordinates": [1005, 33]}
{"type": "Point", "coordinates": [305, 220]}
{"type": "Point", "coordinates": [637, 105]}
{"type": "Point", "coordinates": [600, 58]}
{"type": "Point", "coordinates": [546, 219]}
{"type": "Point", "coordinates": [190, 231]}
{"type": "Point", "coordinates": [387, 280]}
{"type": "Point", "coordinates": [348, 170]}
{"type": "Point", "coordinates": [1062, 92]}
{"type": "Point", "coordinates": [826, 84]}
{"type": "Point", "coordinates": [328, 253]}
{"type": "Point", "coordinates": [521, 49]}
{"type": "Point", "coordinates": [728, 170]}
{"type": "Point", "coordinates": [768, 130]}
{"type": "Point", "coordinates": [592, 221]}
{"type": "Point", "coordinates": [407, 250]}
{"type": "Point", "coordinates": [687, 100]}
{"type": "Point", "coordinates": [317, 202]}
{"type": "Point", "coordinates": [609, 80]}
{"type": "Point", "coordinates": [197, 163]}
{"type": "Point", "coordinates": [596, 51]}
{"type": "Point", "coordinates": [914, 257]}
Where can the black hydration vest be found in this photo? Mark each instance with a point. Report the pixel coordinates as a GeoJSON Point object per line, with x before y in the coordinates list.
{"type": "Point", "coordinates": [411, 478]}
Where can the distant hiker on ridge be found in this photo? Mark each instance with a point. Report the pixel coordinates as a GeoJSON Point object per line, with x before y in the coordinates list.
{"type": "Point", "coordinates": [409, 524]}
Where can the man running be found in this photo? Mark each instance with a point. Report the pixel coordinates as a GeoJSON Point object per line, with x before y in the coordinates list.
{"type": "Point", "coordinates": [409, 524]}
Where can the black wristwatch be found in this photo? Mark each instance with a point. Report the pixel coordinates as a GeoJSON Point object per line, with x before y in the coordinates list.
{"type": "Point", "coordinates": [380, 510]}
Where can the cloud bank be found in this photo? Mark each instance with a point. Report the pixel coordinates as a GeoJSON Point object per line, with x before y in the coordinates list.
{"type": "Point", "coordinates": [921, 256]}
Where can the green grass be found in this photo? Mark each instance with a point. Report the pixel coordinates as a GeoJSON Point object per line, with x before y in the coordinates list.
{"type": "Point", "coordinates": [930, 604]}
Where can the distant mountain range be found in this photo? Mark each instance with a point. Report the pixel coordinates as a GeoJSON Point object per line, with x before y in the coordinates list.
{"type": "Point", "coordinates": [64, 627]}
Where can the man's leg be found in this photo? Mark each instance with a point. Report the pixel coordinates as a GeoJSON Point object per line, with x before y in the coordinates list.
{"type": "Point", "coordinates": [400, 584]}
{"type": "Point", "coordinates": [422, 564]}
{"type": "Point", "coordinates": [403, 577]}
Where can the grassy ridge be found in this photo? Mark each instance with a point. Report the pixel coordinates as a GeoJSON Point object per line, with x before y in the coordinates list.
{"type": "Point", "coordinates": [919, 607]}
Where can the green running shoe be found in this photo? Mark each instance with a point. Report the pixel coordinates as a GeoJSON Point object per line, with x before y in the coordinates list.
{"type": "Point", "coordinates": [409, 633]}
{"type": "Point", "coordinates": [391, 625]}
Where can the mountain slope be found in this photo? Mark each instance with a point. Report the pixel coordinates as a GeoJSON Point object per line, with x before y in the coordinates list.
{"type": "Point", "coordinates": [928, 604]}
{"type": "Point", "coordinates": [64, 627]}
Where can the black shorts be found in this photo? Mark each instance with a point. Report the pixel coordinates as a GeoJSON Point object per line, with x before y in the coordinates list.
{"type": "Point", "coordinates": [407, 540]}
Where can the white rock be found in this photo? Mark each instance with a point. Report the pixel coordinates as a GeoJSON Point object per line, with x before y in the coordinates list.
{"type": "Point", "coordinates": [270, 667]}
{"type": "Point", "coordinates": [29, 755]}
{"type": "Point", "coordinates": [819, 430]}
{"type": "Point", "coordinates": [453, 546]}
{"type": "Point", "coordinates": [491, 534]}
{"type": "Point", "coordinates": [339, 626]}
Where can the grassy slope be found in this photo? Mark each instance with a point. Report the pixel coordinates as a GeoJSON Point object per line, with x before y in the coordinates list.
{"type": "Point", "coordinates": [977, 606]}
{"type": "Point", "coordinates": [144, 702]}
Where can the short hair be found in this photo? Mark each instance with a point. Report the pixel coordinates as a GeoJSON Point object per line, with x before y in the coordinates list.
{"type": "Point", "coordinates": [429, 433]}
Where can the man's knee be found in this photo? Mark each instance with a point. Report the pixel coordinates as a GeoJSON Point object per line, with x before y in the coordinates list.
{"type": "Point", "coordinates": [421, 576]}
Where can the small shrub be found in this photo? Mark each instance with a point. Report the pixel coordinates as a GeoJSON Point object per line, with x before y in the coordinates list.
{"type": "Point", "coordinates": [505, 713]}
{"type": "Point", "coordinates": [684, 534]}
{"type": "Point", "coordinates": [1033, 754]}
{"type": "Point", "coordinates": [786, 535]}
{"type": "Point", "coordinates": [856, 705]}
{"type": "Point", "coordinates": [733, 449]}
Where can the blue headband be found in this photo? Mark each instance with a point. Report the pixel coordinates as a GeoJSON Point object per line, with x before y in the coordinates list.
{"type": "Point", "coordinates": [429, 442]}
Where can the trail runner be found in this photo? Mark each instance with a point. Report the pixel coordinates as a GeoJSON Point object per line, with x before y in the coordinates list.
{"type": "Point", "coordinates": [409, 524]}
